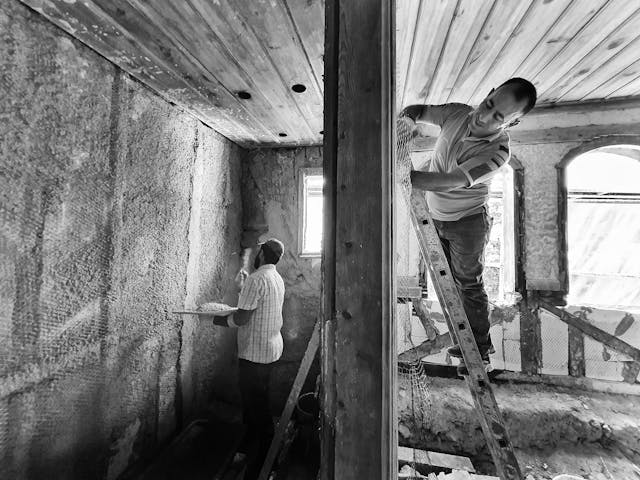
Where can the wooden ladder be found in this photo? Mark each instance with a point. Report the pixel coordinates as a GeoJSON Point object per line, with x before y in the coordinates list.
{"type": "Point", "coordinates": [476, 377]}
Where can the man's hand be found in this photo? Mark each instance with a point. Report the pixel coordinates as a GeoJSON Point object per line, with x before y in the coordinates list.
{"type": "Point", "coordinates": [412, 111]}
{"type": "Point", "coordinates": [241, 277]}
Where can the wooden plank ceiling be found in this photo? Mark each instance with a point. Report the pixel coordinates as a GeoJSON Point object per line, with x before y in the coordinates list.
{"type": "Point", "coordinates": [204, 55]}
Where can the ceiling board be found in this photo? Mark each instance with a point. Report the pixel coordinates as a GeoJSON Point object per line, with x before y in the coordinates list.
{"type": "Point", "coordinates": [601, 31]}
{"type": "Point", "coordinates": [200, 54]}
{"type": "Point", "coordinates": [540, 17]}
{"type": "Point", "coordinates": [469, 18]}
{"type": "Point", "coordinates": [432, 26]}
{"type": "Point", "coordinates": [605, 61]}
{"type": "Point", "coordinates": [496, 31]}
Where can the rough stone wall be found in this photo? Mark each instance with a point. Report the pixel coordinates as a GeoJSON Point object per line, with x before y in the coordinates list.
{"type": "Point", "coordinates": [541, 212]}
{"type": "Point", "coordinates": [115, 209]}
{"type": "Point", "coordinates": [270, 185]}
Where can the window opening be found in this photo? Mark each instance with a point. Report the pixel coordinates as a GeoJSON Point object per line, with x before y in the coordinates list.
{"type": "Point", "coordinates": [603, 228]}
{"type": "Point", "coordinates": [311, 202]}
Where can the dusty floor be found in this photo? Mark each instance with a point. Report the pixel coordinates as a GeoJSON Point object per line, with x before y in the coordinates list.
{"type": "Point", "coordinates": [554, 430]}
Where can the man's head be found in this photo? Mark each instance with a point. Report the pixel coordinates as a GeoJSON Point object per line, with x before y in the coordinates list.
{"type": "Point", "coordinates": [503, 107]}
{"type": "Point", "coordinates": [269, 253]}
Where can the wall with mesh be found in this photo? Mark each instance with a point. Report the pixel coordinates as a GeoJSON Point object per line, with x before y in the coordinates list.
{"type": "Point", "coordinates": [115, 209]}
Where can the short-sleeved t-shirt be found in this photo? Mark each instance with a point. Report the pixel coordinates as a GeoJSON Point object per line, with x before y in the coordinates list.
{"type": "Point", "coordinates": [480, 159]}
{"type": "Point", "coordinates": [260, 339]}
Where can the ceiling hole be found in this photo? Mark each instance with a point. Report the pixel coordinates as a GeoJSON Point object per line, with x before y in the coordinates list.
{"type": "Point", "coordinates": [244, 95]}
{"type": "Point", "coordinates": [321, 132]}
{"type": "Point", "coordinates": [282, 134]}
{"type": "Point", "coordinates": [298, 88]}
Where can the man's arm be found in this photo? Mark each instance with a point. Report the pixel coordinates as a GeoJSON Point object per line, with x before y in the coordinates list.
{"type": "Point", "coordinates": [238, 319]}
{"type": "Point", "coordinates": [250, 294]}
{"type": "Point", "coordinates": [439, 182]}
{"type": "Point", "coordinates": [433, 114]}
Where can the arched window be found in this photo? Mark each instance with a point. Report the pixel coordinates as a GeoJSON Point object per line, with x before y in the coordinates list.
{"type": "Point", "coordinates": [603, 228]}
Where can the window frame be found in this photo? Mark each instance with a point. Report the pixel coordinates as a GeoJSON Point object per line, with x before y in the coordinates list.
{"type": "Point", "coordinates": [303, 173]}
{"type": "Point", "coordinates": [559, 298]}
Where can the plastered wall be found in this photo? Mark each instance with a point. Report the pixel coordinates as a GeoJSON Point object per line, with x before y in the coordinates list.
{"type": "Point", "coordinates": [116, 208]}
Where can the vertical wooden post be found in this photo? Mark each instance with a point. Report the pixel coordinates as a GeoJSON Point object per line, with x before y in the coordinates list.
{"type": "Point", "coordinates": [577, 366]}
{"type": "Point", "coordinates": [359, 438]}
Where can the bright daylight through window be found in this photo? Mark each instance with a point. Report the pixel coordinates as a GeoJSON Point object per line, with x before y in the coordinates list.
{"type": "Point", "coordinates": [604, 228]}
{"type": "Point", "coordinates": [311, 213]}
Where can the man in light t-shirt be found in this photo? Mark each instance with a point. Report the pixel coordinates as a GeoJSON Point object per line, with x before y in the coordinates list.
{"type": "Point", "coordinates": [472, 147]}
{"type": "Point", "coordinates": [259, 320]}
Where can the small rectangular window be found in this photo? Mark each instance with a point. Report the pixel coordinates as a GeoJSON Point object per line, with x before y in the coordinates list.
{"type": "Point", "coordinates": [310, 201]}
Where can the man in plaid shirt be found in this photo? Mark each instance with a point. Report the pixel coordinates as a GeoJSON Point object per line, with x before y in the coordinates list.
{"type": "Point", "coordinates": [259, 320]}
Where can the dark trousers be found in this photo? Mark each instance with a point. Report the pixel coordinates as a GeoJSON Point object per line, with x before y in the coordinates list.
{"type": "Point", "coordinates": [256, 412]}
{"type": "Point", "coordinates": [464, 242]}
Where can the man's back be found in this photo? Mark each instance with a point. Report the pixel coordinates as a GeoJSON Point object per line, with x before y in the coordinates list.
{"type": "Point", "coordinates": [260, 340]}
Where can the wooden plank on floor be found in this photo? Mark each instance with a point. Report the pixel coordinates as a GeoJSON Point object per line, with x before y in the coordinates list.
{"type": "Point", "coordinates": [434, 459]}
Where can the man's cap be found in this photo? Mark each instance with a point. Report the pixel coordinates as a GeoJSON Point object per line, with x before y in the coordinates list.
{"type": "Point", "coordinates": [274, 245]}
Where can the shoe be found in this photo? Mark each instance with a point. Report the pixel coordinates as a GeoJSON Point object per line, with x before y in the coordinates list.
{"type": "Point", "coordinates": [484, 352]}
{"type": "Point", "coordinates": [464, 371]}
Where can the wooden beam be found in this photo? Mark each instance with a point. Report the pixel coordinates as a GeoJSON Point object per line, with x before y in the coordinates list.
{"type": "Point", "coordinates": [553, 135]}
{"type": "Point", "coordinates": [423, 315]}
{"type": "Point", "coordinates": [565, 123]}
{"type": "Point", "coordinates": [577, 366]}
{"type": "Point", "coordinates": [359, 347]}
{"type": "Point", "coordinates": [593, 331]}
{"type": "Point", "coordinates": [584, 383]}
{"type": "Point", "coordinates": [505, 376]}
{"type": "Point", "coordinates": [530, 339]}
{"type": "Point", "coordinates": [426, 348]}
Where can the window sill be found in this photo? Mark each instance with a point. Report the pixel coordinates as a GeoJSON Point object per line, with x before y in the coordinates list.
{"type": "Point", "coordinates": [310, 255]}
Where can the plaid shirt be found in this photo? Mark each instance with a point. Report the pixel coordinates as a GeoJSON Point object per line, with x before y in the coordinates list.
{"type": "Point", "coordinates": [260, 340]}
{"type": "Point", "coordinates": [480, 159]}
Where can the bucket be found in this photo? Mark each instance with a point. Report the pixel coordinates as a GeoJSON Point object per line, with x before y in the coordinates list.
{"type": "Point", "coordinates": [307, 408]}
{"type": "Point", "coordinates": [308, 419]}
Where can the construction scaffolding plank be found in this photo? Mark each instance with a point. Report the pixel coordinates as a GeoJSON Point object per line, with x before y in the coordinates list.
{"type": "Point", "coordinates": [476, 377]}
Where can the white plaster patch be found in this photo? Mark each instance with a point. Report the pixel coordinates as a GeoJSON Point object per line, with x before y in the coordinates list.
{"type": "Point", "coordinates": [123, 448]}
{"type": "Point", "coordinates": [555, 344]}
{"type": "Point", "coordinates": [404, 431]}
{"type": "Point", "coordinates": [66, 26]}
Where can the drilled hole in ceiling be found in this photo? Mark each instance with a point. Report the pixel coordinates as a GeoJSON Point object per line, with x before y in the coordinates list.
{"type": "Point", "coordinates": [244, 95]}
{"type": "Point", "coordinates": [282, 134]}
{"type": "Point", "coordinates": [298, 88]}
